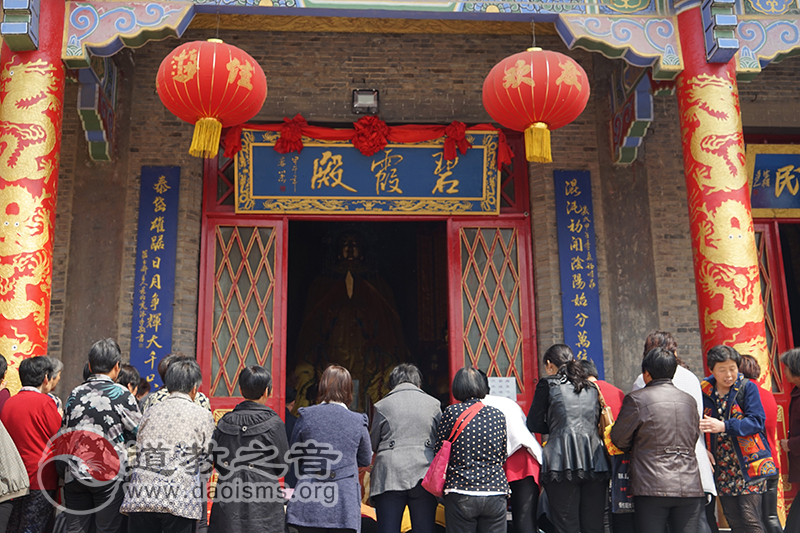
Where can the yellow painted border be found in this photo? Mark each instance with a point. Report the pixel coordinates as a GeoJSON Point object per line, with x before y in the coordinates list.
{"type": "Point", "coordinates": [363, 206]}
{"type": "Point", "coordinates": [751, 151]}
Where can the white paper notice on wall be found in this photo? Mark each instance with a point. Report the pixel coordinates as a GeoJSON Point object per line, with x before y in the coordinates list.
{"type": "Point", "coordinates": [506, 387]}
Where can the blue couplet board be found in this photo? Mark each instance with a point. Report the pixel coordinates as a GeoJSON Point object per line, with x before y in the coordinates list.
{"type": "Point", "coordinates": [334, 177]}
{"type": "Point", "coordinates": [776, 181]}
{"type": "Point", "coordinates": [577, 258]}
{"type": "Point", "coordinates": [154, 290]}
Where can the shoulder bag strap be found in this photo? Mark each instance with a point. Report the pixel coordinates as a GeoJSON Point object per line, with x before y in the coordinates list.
{"type": "Point", "coordinates": [464, 419]}
{"type": "Point", "coordinates": [600, 397]}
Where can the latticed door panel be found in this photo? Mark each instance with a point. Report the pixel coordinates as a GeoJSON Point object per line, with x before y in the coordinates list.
{"type": "Point", "coordinates": [492, 293]}
{"type": "Point", "coordinates": [243, 290]}
{"type": "Point", "coordinates": [768, 288]}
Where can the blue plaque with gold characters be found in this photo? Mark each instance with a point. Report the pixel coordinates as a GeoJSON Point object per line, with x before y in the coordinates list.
{"type": "Point", "coordinates": [773, 171]}
{"type": "Point", "coordinates": [334, 177]}
{"type": "Point", "coordinates": [154, 291]}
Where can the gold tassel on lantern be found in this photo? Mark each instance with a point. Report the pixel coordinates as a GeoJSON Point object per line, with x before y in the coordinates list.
{"type": "Point", "coordinates": [537, 143]}
{"type": "Point", "coordinates": [205, 141]}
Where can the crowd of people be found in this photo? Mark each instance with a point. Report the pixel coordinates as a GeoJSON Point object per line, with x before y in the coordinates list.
{"type": "Point", "coordinates": [116, 457]}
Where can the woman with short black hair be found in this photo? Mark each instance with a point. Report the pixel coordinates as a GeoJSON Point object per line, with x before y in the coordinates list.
{"type": "Point", "coordinates": [250, 427]}
{"type": "Point", "coordinates": [128, 377]}
{"type": "Point", "coordinates": [476, 489]}
{"type": "Point", "coordinates": [575, 469]}
{"type": "Point", "coordinates": [734, 415]}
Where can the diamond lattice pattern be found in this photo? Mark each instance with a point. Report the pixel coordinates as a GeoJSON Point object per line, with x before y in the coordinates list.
{"type": "Point", "coordinates": [769, 313]}
{"type": "Point", "coordinates": [244, 284]}
{"type": "Point", "coordinates": [490, 294]}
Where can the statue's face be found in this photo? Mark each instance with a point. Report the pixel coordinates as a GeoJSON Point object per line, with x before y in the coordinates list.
{"type": "Point", "coordinates": [350, 247]}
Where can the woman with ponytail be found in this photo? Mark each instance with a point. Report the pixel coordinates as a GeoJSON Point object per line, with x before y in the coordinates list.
{"type": "Point", "coordinates": [575, 469]}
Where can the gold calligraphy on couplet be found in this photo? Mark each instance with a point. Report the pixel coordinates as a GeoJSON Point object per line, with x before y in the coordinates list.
{"type": "Point", "coordinates": [582, 264]}
{"type": "Point", "coordinates": [149, 298]}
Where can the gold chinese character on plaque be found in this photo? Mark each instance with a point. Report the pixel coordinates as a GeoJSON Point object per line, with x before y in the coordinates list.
{"type": "Point", "coordinates": [386, 175]}
{"type": "Point", "coordinates": [784, 178]}
{"type": "Point", "coordinates": [328, 171]}
{"type": "Point", "coordinates": [444, 169]}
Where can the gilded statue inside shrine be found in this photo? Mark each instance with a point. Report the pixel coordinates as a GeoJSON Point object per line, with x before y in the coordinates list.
{"type": "Point", "coordinates": [350, 319]}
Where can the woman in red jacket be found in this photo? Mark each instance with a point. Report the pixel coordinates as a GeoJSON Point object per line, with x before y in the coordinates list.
{"type": "Point", "coordinates": [791, 363]}
{"type": "Point", "coordinates": [769, 500]}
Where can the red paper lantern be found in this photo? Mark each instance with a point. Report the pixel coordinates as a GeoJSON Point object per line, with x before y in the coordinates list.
{"type": "Point", "coordinates": [536, 91]}
{"type": "Point", "coordinates": [212, 85]}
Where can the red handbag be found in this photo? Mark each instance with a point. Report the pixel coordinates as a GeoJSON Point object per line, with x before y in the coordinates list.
{"type": "Point", "coordinates": [434, 478]}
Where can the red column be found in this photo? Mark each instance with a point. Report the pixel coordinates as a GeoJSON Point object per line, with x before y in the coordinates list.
{"type": "Point", "coordinates": [723, 241]}
{"type": "Point", "coordinates": [31, 101]}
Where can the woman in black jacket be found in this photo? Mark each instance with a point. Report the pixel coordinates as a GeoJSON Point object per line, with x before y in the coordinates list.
{"type": "Point", "coordinates": [575, 469]}
{"type": "Point", "coordinates": [249, 455]}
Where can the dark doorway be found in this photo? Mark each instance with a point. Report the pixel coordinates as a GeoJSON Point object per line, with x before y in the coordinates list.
{"type": "Point", "coordinates": [790, 248]}
{"type": "Point", "coordinates": [367, 296]}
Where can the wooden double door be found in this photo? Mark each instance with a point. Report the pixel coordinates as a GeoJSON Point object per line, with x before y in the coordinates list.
{"type": "Point", "coordinates": [245, 291]}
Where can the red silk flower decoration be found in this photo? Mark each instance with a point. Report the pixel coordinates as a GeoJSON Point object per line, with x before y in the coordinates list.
{"type": "Point", "coordinates": [212, 85]}
{"type": "Point", "coordinates": [291, 139]}
{"type": "Point", "coordinates": [370, 135]}
{"type": "Point", "coordinates": [536, 91]}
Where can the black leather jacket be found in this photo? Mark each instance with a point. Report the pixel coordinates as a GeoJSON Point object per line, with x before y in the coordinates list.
{"type": "Point", "coordinates": [660, 424]}
{"type": "Point", "coordinates": [573, 448]}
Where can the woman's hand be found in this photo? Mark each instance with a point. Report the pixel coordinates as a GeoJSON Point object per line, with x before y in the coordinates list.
{"type": "Point", "coordinates": [711, 458]}
{"type": "Point", "coordinates": [711, 425]}
{"type": "Point", "coordinates": [785, 444]}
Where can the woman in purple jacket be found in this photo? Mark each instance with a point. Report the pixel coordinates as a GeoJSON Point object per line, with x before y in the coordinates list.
{"type": "Point", "coordinates": [328, 444]}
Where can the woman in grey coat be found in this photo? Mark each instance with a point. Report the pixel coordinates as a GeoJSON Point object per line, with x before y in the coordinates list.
{"type": "Point", "coordinates": [329, 443]}
{"type": "Point", "coordinates": [403, 434]}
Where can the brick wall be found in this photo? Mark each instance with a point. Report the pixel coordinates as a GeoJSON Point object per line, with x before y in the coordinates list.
{"type": "Point", "coordinates": [156, 137]}
{"type": "Point", "coordinates": [71, 131]}
{"type": "Point", "coordinates": [766, 99]}
{"type": "Point", "coordinates": [421, 78]}
{"type": "Point", "coordinates": [669, 223]}
{"type": "Point", "coordinates": [574, 147]}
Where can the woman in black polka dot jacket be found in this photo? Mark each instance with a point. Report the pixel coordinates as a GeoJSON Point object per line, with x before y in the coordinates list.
{"type": "Point", "coordinates": [475, 485]}
{"type": "Point", "coordinates": [575, 469]}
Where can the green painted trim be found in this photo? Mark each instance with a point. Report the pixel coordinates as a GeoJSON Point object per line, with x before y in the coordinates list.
{"type": "Point", "coordinates": [99, 151]}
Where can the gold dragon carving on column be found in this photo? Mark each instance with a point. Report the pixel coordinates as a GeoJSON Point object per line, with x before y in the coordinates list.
{"type": "Point", "coordinates": [727, 261]}
{"type": "Point", "coordinates": [30, 122]}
